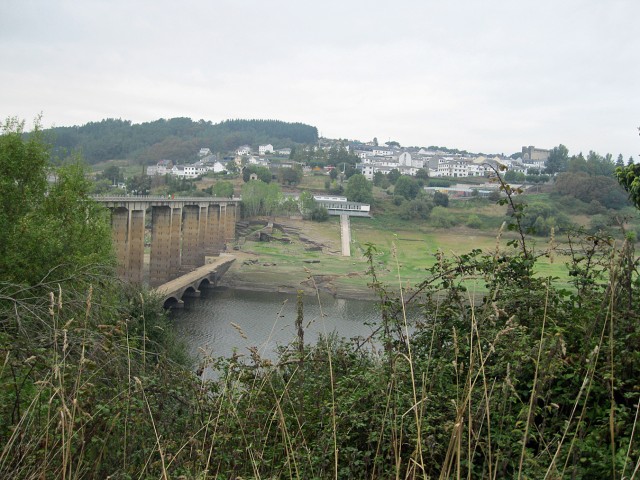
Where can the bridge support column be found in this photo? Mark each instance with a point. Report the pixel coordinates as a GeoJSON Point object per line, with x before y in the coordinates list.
{"type": "Point", "coordinates": [212, 244]}
{"type": "Point", "coordinates": [231, 223]}
{"type": "Point", "coordinates": [175, 244]}
{"type": "Point", "coordinates": [191, 234]}
{"type": "Point", "coordinates": [120, 236]}
{"type": "Point", "coordinates": [160, 259]}
{"type": "Point", "coordinates": [202, 234]}
{"type": "Point", "coordinates": [136, 246]}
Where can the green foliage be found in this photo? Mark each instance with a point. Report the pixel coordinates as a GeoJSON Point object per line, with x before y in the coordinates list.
{"type": "Point", "coordinates": [439, 182]}
{"type": "Point", "coordinates": [222, 188]}
{"type": "Point", "coordinates": [139, 184]}
{"type": "Point", "coordinates": [393, 175]}
{"type": "Point", "coordinates": [473, 221]}
{"type": "Point", "coordinates": [539, 219]}
{"type": "Point", "coordinates": [112, 173]}
{"type": "Point", "coordinates": [263, 173]}
{"type": "Point", "coordinates": [45, 230]}
{"type": "Point", "coordinates": [441, 217]}
{"type": "Point", "coordinates": [587, 187]}
{"type": "Point", "coordinates": [629, 178]}
{"type": "Point", "coordinates": [176, 138]}
{"type": "Point", "coordinates": [381, 180]}
{"type": "Point", "coordinates": [259, 198]}
{"type": "Point", "coordinates": [290, 176]}
{"type": "Point", "coordinates": [512, 176]}
{"type": "Point", "coordinates": [557, 161]}
{"type": "Point", "coordinates": [481, 370]}
{"type": "Point", "coordinates": [417, 209]}
{"type": "Point", "coordinates": [406, 187]}
{"type": "Point", "coordinates": [359, 189]}
{"type": "Point", "coordinates": [441, 199]}
{"type": "Point", "coordinates": [319, 214]}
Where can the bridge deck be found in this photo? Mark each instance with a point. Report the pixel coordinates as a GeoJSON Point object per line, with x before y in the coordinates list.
{"type": "Point", "coordinates": [176, 287]}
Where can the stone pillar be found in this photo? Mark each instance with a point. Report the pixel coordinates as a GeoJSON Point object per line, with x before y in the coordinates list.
{"type": "Point", "coordinates": [190, 236]}
{"type": "Point", "coordinates": [136, 246]}
{"type": "Point", "coordinates": [202, 235]}
{"type": "Point", "coordinates": [213, 227]}
{"type": "Point", "coordinates": [160, 261]}
{"type": "Point", "coordinates": [231, 222]}
{"type": "Point", "coordinates": [120, 236]}
{"type": "Point", "coordinates": [222, 233]}
{"type": "Point", "coordinates": [176, 243]}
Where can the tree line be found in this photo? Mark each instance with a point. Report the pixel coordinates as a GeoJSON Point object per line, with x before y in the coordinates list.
{"type": "Point", "coordinates": [178, 139]}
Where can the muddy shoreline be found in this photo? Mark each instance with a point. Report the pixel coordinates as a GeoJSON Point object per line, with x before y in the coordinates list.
{"type": "Point", "coordinates": [236, 281]}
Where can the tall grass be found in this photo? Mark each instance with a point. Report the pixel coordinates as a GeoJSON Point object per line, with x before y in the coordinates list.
{"type": "Point", "coordinates": [524, 380]}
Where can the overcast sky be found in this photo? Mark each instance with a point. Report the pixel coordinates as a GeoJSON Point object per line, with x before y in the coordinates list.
{"type": "Point", "coordinates": [480, 75]}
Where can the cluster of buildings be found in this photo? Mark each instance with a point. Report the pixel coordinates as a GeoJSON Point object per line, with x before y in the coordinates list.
{"type": "Point", "coordinates": [373, 158]}
{"type": "Point", "coordinates": [443, 164]}
{"type": "Point", "coordinates": [209, 162]}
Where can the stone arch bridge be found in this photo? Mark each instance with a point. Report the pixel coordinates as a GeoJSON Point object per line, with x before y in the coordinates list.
{"type": "Point", "coordinates": [184, 232]}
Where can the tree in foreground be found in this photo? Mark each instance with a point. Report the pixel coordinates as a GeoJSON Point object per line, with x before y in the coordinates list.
{"type": "Point", "coordinates": [46, 229]}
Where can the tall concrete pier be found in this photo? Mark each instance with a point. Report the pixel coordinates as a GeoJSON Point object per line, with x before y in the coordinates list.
{"type": "Point", "coordinates": [183, 232]}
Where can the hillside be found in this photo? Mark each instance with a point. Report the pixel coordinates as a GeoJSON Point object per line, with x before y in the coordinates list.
{"type": "Point", "coordinates": [176, 138]}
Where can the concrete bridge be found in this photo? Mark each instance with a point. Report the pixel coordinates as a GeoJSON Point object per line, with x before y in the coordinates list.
{"type": "Point", "coordinates": [191, 284]}
{"type": "Point", "coordinates": [184, 231]}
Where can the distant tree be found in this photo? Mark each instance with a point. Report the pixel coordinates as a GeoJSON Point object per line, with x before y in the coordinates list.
{"type": "Point", "coordinates": [222, 189]}
{"type": "Point", "coordinates": [418, 209]}
{"type": "Point", "coordinates": [139, 184]}
{"type": "Point", "coordinates": [260, 198]}
{"type": "Point", "coordinates": [319, 214]}
{"type": "Point", "coordinates": [290, 176]}
{"type": "Point", "coordinates": [511, 176]}
{"type": "Point", "coordinates": [111, 173]}
{"type": "Point", "coordinates": [263, 173]}
{"type": "Point", "coordinates": [350, 171]}
{"type": "Point", "coordinates": [422, 175]}
{"type": "Point", "coordinates": [380, 180]}
{"type": "Point", "coordinates": [359, 189]}
{"type": "Point", "coordinates": [375, 141]}
{"type": "Point", "coordinates": [406, 187]}
{"type": "Point", "coordinates": [557, 161]}
{"type": "Point", "coordinates": [620, 161]}
{"type": "Point", "coordinates": [232, 167]}
{"type": "Point", "coordinates": [392, 143]}
{"type": "Point", "coordinates": [441, 199]}
{"type": "Point", "coordinates": [307, 203]}
{"type": "Point", "coordinates": [630, 161]}
{"type": "Point", "coordinates": [333, 174]}
{"type": "Point", "coordinates": [393, 175]}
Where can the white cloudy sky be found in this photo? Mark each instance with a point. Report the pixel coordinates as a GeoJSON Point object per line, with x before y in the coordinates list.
{"type": "Point", "coordinates": [481, 75]}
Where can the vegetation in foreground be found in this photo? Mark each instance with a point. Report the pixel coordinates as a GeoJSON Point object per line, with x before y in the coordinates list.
{"type": "Point", "coordinates": [530, 381]}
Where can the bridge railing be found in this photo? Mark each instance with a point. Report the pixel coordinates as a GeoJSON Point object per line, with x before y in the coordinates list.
{"type": "Point", "coordinates": [156, 198]}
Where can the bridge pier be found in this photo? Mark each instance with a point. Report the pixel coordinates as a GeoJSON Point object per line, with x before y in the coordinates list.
{"type": "Point", "coordinates": [183, 233]}
{"type": "Point", "coordinates": [160, 258]}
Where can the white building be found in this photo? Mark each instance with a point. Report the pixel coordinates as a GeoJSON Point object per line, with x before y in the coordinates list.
{"type": "Point", "coordinates": [382, 151]}
{"type": "Point", "coordinates": [188, 171]}
{"type": "Point", "coordinates": [264, 149]}
{"type": "Point", "coordinates": [366, 169]}
{"type": "Point", "coordinates": [243, 150]}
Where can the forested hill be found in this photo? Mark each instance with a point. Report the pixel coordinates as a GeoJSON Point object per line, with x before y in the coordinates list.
{"type": "Point", "coordinates": [178, 139]}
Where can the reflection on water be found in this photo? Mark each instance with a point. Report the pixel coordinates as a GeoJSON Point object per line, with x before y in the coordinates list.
{"type": "Point", "coordinates": [267, 320]}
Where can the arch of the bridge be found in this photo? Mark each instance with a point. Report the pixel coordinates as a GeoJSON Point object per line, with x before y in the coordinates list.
{"type": "Point", "coordinates": [191, 289]}
{"type": "Point", "coordinates": [183, 233]}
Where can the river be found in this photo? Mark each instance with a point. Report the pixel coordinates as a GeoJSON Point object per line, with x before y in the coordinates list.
{"type": "Point", "coordinates": [266, 319]}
